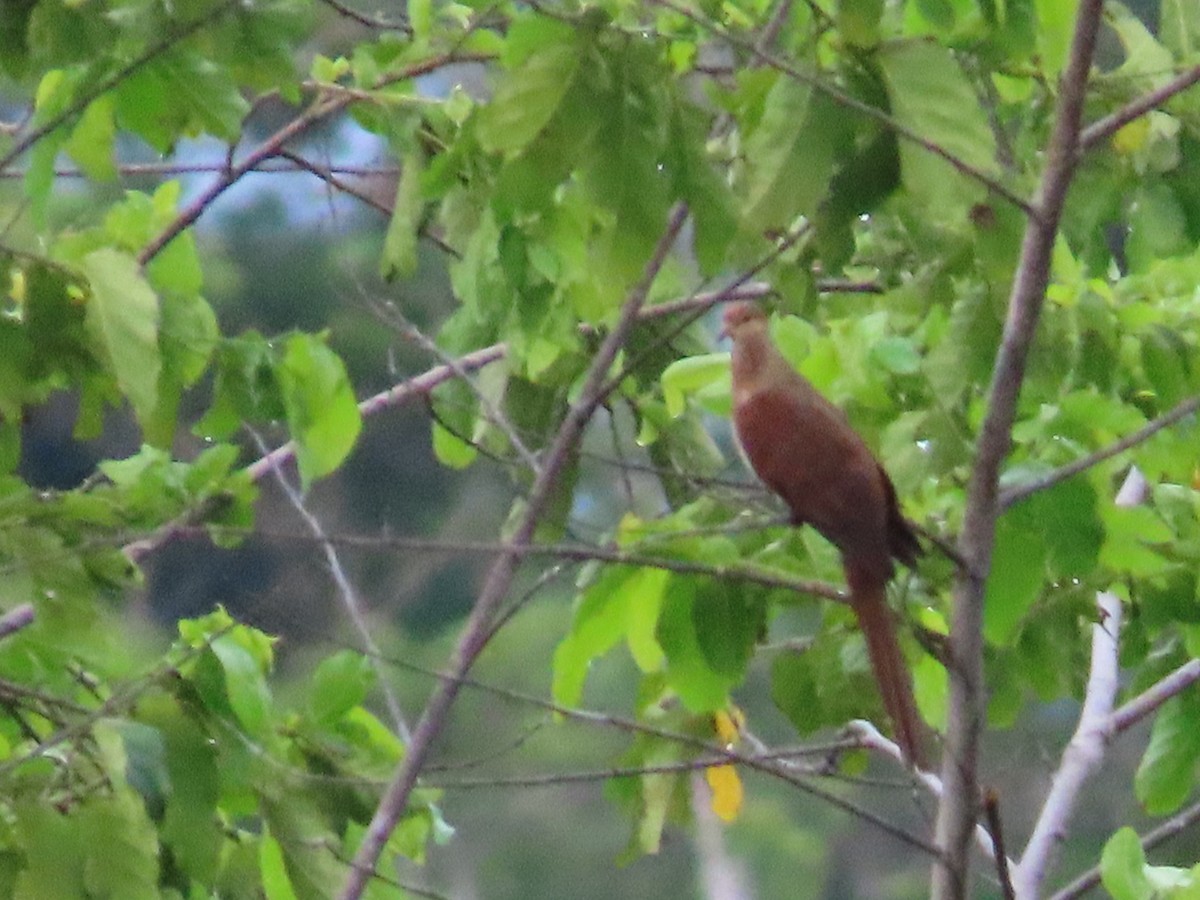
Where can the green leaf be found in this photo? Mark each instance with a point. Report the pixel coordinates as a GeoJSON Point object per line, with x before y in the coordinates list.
{"type": "Point", "coordinates": [789, 156]}
{"type": "Point", "coordinates": [312, 871]}
{"type": "Point", "coordinates": [727, 627]}
{"type": "Point", "coordinates": [1167, 772]}
{"type": "Point", "coordinates": [690, 674]}
{"type": "Point", "coordinates": [897, 355]}
{"type": "Point", "coordinates": [528, 97]}
{"type": "Point", "coordinates": [244, 684]}
{"type": "Point", "coordinates": [1128, 534]}
{"type": "Point", "coordinates": [322, 413]}
{"type": "Point", "coordinates": [275, 882]}
{"type": "Point", "coordinates": [794, 691]}
{"type": "Point", "coordinates": [55, 853]}
{"type": "Point", "coordinates": [1123, 865]}
{"type": "Point", "coordinates": [931, 96]}
{"type": "Point", "coordinates": [399, 256]}
{"type": "Point", "coordinates": [340, 683]}
{"type": "Point", "coordinates": [691, 376]}
{"type": "Point", "coordinates": [91, 142]}
{"type": "Point", "coordinates": [122, 319]}
{"type": "Point", "coordinates": [451, 450]}
{"type": "Point", "coordinates": [190, 825]}
{"type": "Point", "coordinates": [1015, 580]}
{"type": "Point", "coordinates": [1179, 28]}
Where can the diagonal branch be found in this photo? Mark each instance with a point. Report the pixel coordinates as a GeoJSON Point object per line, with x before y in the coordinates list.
{"type": "Point", "coordinates": [499, 578]}
{"type": "Point", "coordinates": [321, 108]}
{"type": "Point", "coordinates": [350, 600]}
{"type": "Point", "coordinates": [959, 808]}
{"type": "Point", "coordinates": [107, 84]}
{"type": "Point", "coordinates": [1101, 129]}
{"type": "Point", "coordinates": [1152, 838]}
{"type": "Point", "coordinates": [1019, 492]}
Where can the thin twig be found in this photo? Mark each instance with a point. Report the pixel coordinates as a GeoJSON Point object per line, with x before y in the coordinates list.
{"type": "Point", "coordinates": [868, 737]}
{"type": "Point", "coordinates": [575, 552]}
{"type": "Point", "coordinates": [782, 769]}
{"type": "Point", "coordinates": [499, 579]}
{"type": "Point", "coordinates": [349, 596]}
{"type": "Point", "coordinates": [15, 619]}
{"type": "Point", "coordinates": [106, 84]}
{"type": "Point", "coordinates": [321, 108]}
{"type": "Point", "coordinates": [958, 811]}
{"type": "Point", "coordinates": [490, 410]}
{"type": "Point", "coordinates": [1019, 492]}
{"type": "Point", "coordinates": [1101, 129]}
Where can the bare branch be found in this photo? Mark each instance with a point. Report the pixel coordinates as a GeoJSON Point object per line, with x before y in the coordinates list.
{"type": "Point", "coordinates": [499, 579]}
{"type": "Point", "coordinates": [1129, 714]}
{"type": "Point", "coordinates": [15, 619]}
{"type": "Point", "coordinates": [321, 108]}
{"type": "Point", "coordinates": [1097, 131]}
{"type": "Point", "coordinates": [1083, 754]}
{"type": "Point", "coordinates": [1050, 479]}
{"type": "Point", "coordinates": [959, 808]}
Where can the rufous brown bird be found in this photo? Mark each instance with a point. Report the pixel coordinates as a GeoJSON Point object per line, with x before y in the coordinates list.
{"type": "Point", "coordinates": [803, 449]}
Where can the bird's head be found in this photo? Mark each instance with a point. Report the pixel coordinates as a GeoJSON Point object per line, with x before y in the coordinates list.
{"type": "Point", "coordinates": [738, 316]}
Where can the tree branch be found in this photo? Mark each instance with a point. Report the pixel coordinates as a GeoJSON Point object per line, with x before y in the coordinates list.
{"type": "Point", "coordinates": [1129, 714]}
{"type": "Point", "coordinates": [1083, 755]}
{"type": "Point", "coordinates": [959, 808]}
{"type": "Point", "coordinates": [320, 108]}
{"type": "Point", "coordinates": [1101, 129]}
{"type": "Point", "coordinates": [107, 84]}
{"type": "Point", "coordinates": [499, 579]}
{"type": "Point", "coordinates": [347, 593]}
{"type": "Point", "coordinates": [1019, 492]}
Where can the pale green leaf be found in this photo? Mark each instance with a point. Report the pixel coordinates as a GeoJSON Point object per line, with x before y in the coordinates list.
{"type": "Point", "coordinates": [1122, 867]}
{"type": "Point", "coordinates": [122, 319]}
{"type": "Point", "coordinates": [691, 375]}
{"type": "Point", "coordinates": [245, 684]}
{"type": "Point", "coordinates": [92, 139]}
{"type": "Point", "coordinates": [528, 98]}
{"type": "Point", "coordinates": [931, 96]}
{"type": "Point", "coordinates": [399, 256]}
{"type": "Point", "coordinates": [1167, 771]}
{"type": "Point", "coordinates": [322, 413]}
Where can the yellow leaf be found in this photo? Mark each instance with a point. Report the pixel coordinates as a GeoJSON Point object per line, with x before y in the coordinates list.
{"type": "Point", "coordinates": [727, 792]}
{"type": "Point", "coordinates": [1132, 137]}
{"type": "Point", "coordinates": [728, 724]}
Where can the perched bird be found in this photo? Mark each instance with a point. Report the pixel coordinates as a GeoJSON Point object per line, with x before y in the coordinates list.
{"type": "Point", "coordinates": [803, 449]}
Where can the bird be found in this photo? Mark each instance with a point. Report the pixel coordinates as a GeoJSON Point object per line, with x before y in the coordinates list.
{"type": "Point", "coordinates": [804, 449]}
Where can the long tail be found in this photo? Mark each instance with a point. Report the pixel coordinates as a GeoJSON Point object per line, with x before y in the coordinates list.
{"type": "Point", "coordinates": [887, 662]}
